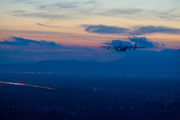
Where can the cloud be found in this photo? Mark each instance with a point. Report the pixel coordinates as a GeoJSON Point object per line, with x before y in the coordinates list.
{"type": "Point", "coordinates": [26, 50]}
{"type": "Point", "coordinates": [40, 24]}
{"type": "Point", "coordinates": [137, 13]}
{"type": "Point", "coordinates": [171, 14]}
{"type": "Point", "coordinates": [78, 7]}
{"type": "Point", "coordinates": [143, 41]}
{"type": "Point", "coordinates": [90, 2]}
{"type": "Point", "coordinates": [26, 2]}
{"type": "Point", "coordinates": [124, 12]}
{"type": "Point", "coordinates": [86, 8]}
{"type": "Point", "coordinates": [103, 29]}
{"type": "Point", "coordinates": [59, 10]}
{"type": "Point", "coordinates": [26, 42]}
{"type": "Point", "coordinates": [45, 15]}
{"type": "Point", "coordinates": [61, 5]}
{"type": "Point", "coordinates": [155, 29]}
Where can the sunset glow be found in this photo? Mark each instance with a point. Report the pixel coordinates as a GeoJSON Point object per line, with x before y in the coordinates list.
{"type": "Point", "coordinates": [90, 23]}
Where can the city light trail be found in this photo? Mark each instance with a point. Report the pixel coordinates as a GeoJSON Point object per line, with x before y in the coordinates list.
{"type": "Point", "coordinates": [22, 84]}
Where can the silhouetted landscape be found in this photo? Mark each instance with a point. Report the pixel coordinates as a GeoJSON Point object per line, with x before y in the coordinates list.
{"type": "Point", "coordinates": [88, 91]}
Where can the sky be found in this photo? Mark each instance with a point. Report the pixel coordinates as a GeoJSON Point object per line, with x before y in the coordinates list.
{"type": "Point", "coordinates": [75, 29]}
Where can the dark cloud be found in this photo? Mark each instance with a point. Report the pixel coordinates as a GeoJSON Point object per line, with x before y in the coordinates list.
{"type": "Point", "coordinates": [143, 41]}
{"type": "Point", "coordinates": [155, 29]}
{"type": "Point", "coordinates": [102, 29]}
{"type": "Point", "coordinates": [26, 50]}
{"type": "Point", "coordinates": [26, 42]}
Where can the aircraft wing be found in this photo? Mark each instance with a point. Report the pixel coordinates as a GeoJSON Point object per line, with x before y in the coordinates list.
{"type": "Point", "coordinates": [140, 47]}
{"type": "Point", "coordinates": [133, 47]}
{"type": "Point", "coordinates": [109, 47]}
{"type": "Point", "coordinates": [129, 46]}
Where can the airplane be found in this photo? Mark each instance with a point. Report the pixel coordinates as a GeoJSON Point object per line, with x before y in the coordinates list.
{"type": "Point", "coordinates": [122, 48]}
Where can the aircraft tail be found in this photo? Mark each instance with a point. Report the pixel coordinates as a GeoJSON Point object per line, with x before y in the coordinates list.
{"type": "Point", "coordinates": [120, 44]}
{"type": "Point", "coordinates": [135, 46]}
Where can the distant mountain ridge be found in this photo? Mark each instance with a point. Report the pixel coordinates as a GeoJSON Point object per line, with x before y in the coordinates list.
{"type": "Point", "coordinates": [135, 63]}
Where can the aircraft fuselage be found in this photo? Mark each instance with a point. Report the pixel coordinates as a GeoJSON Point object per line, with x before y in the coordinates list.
{"type": "Point", "coordinates": [121, 48]}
